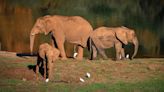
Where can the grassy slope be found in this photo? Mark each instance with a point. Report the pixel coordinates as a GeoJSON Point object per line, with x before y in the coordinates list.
{"type": "Point", "coordinates": [139, 75]}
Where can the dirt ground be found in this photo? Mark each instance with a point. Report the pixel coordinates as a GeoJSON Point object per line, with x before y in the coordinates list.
{"type": "Point", "coordinates": [102, 71]}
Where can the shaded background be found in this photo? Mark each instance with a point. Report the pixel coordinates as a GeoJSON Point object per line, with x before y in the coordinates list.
{"type": "Point", "coordinates": [145, 16]}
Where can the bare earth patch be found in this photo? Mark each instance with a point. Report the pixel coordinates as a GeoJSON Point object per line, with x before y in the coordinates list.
{"type": "Point", "coordinates": [70, 71]}
{"type": "Point", "coordinates": [19, 73]}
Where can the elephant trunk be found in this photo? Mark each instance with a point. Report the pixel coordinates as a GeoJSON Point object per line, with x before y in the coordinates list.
{"type": "Point", "coordinates": [32, 38]}
{"type": "Point", "coordinates": [135, 42]}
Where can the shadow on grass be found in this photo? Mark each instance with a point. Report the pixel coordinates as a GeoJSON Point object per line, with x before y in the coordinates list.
{"type": "Point", "coordinates": [26, 54]}
{"type": "Point", "coordinates": [33, 67]}
{"type": "Point", "coordinates": [60, 81]}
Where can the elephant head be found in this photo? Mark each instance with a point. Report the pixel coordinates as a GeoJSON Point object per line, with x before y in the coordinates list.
{"type": "Point", "coordinates": [41, 26]}
{"type": "Point", "coordinates": [126, 35]}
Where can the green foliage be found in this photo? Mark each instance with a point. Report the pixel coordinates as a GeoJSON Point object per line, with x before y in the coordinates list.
{"type": "Point", "coordinates": [144, 86]}
{"type": "Point", "coordinates": [133, 13]}
{"type": "Point", "coordinates": [139, 15]}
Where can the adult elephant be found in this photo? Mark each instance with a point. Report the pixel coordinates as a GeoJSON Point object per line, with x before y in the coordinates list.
{"type": "Point", "coordinates": [73, 29]}
{"type": "Point", "coordinates": [107, 37]}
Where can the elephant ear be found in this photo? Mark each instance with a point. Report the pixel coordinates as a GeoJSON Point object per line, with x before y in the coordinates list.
{"type": "Point", "coordinates": [47, 24]}
{"type": "Point", "coordinates": [131, 35]}
{"type": "Point", "coordinates": [121, 35]}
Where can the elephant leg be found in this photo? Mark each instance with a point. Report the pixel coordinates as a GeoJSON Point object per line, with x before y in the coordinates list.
{"type": "Point", "coordinates": [37, 71]}
{"type": "Point", "coordinates": [45, 68]}
{"type": "Point", "coordinates": [39, 60]}
{"type": "Point", "coordinates": [60, 39]}
{"type": "Point", "coordinates": [80, 53]}
{"type": "Point", "coordinates": [99, 47]}
{"type": "Point", "coordinates": [118, 55]}
{"type": "Point", "coordinates": [60, 45]}
{"type": "Point", "coordinates": [122, 53]}
{"type": "Point", "coordinates": [102, 52]}
{"type": "Point", "coordinates": [50, 70]}
{"type": "Point", "coordinates": [118, 47]}
{"type": "Point", "coordinates": [94, 52]}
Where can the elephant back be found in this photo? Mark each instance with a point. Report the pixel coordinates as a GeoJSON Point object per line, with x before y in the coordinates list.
{"type": "Point", "coordinates": [75, 28]}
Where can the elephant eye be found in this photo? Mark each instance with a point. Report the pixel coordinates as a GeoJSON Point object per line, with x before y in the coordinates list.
{"type": "Point", "coordinates": [38, 27]}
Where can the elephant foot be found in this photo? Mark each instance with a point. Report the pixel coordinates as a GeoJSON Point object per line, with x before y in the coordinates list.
{"type": "Point", "coordinates": [124, 59]}
{"type": "Point", "coordinates": [79, 58]}
{"type": "Point", "coordinates": [117, 59]}
{"type": "Point", "coordinates": [37, 78]}
{"type": "Point", "coordinates": [105, 58]}
{"type": "Point", "coordinates": [93, 58]}
{"type": "Point", "coordinates": [131, 58]}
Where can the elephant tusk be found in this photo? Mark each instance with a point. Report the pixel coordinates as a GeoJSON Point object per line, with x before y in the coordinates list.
{"type": "Point", "coordinates": [32, 34]}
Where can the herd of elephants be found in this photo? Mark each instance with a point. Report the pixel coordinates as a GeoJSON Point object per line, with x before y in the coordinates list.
{"type": "Point", "coordinates": [78, 31]}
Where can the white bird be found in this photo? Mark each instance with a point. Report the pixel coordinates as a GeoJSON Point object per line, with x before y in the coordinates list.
{"type": "Point", "coordinates": [82, 80]}
{"type": "Point", "coordinates": [88, 75]}
{"type": "Point", "coordinates": [47, 80]}
{"type": "Point", "coordinates": [127, 56]}
{"type": "Point", "coordinates": [75, 55]}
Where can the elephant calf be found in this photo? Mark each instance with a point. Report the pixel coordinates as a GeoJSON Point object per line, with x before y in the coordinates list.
{"type": "Point", "coordinates": [46, 55]}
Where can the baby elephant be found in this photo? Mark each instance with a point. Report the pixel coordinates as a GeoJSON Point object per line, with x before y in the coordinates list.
{"type": "Point", "coordinates": [46, 55]}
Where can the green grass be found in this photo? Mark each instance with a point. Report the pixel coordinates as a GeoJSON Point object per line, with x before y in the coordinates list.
{"type": "Point", "coordinates": [145, 86]}
{"type": "Point", "coordinates": [154, 85]}
{"type": "Point", "coordinates": [139, 75]}
{"type": "Point", "coordinates": [7, 62]}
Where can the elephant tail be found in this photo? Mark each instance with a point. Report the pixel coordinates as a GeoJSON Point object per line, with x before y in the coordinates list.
{"type": "Point", "coordinates": [89, 45]}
